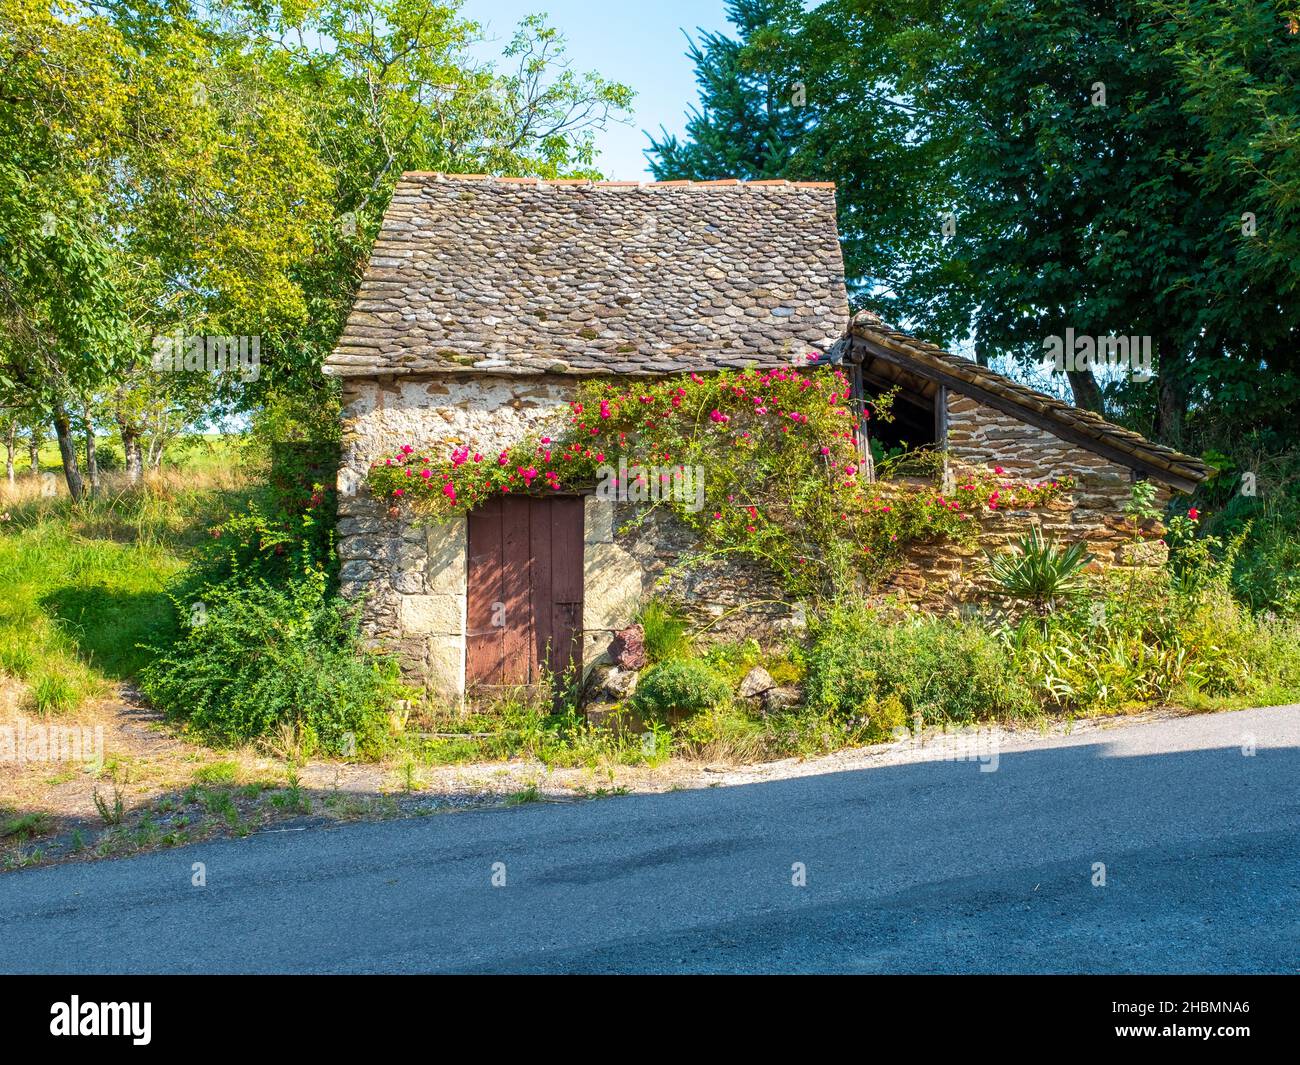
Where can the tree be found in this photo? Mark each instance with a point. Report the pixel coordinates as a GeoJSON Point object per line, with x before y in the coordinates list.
{"type": "Point", "coordinates": [9, 423]}
{"type": "Point", "coordinates": [1097, 201]}
{"type": "Point", "coordinates": [176, 170]}
{"type": "Point", "coordinates": [61, 327]}
{"type": "Point", "coordinates": [388, 86]}
{"type": "Point", "coordinates": [751, 112]}
{"type": "Point", "coordinates": [1011, 168]}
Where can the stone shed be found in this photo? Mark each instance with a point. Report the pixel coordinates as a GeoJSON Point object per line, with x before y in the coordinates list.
{"type": "Point", "coordinates": [983, 420]}
{"type": "Point", "coordinates": [487, 300]}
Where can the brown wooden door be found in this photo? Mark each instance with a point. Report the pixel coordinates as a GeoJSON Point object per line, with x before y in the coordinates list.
{"type": "Point", "coordinates": [525, 589]}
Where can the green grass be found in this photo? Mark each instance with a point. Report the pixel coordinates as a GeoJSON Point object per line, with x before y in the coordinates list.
{"type": "Point", "coordinates": [72, 610]}
{"type": "Point", "coordinates": [219, 773]}
{"type": "Point", "coordinates": [27, 826]}
{"type": "Point", "coordinates": [525, 796]}
{"type": "Point", "coordinates": [111, 812]}
{"type": "Point", "coordinates": [197, 453]}
{"type": "Point", "coordinates": [81, 587]}
{"type": "Point", "coordinates": [667, 631]}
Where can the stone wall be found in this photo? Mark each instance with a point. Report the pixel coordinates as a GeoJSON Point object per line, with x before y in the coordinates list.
{"type": "Point", "coordinates": [413, 576]}
{"type": "Point", "coordinates": [980, 437]}
{"type": "Point", "coordinates": [726, 598]}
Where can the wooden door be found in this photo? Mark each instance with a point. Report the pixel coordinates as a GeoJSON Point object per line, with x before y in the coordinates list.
{"type": "Point", "coordinates": [524, 611]}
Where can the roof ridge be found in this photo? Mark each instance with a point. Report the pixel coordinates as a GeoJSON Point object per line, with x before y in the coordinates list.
{"type": "Point", "coordinates": [442, 175]}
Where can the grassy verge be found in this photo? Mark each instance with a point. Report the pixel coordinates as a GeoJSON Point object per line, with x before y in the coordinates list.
{"type": "Point", "coordinates": [82, 586]}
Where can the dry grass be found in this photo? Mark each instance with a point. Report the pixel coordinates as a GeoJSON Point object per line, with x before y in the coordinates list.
{"type": "Point", "coordinates": [155, 788]}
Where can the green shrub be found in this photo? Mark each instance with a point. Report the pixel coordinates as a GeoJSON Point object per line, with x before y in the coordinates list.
{"type": "Point", "coordinates": [1266, 569]}
{"type": "Point", "coordinates": [1158, 638]}
{"type": "Point", "coordinates": [1274, 658]}
{"type": "Point", "coordinates": [734, 660]}
{"type": "Point", "coordinates": [260, 658]}
{"type": "Point", "coordinates": [861, 668]}
{"type": "Point", "coordinates": [270, 540]}
{"type": "Point", "coordinates": [681, 686]}
{"type": "Point", "coordinates": [806, 732]}
{"type": "Point", "coordinates": [1267, 572]}
{"type": "Point", "coordinates": [725, 733]}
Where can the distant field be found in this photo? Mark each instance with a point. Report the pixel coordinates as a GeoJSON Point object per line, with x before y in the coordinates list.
{"type": "Point", "coordinates": [194, 453]}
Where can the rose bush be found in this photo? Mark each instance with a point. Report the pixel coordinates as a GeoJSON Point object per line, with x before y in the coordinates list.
{"type": "Point", "coordinates": [782, 476]}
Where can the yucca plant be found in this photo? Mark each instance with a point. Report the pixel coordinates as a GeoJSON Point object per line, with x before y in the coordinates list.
{"type": "Point", "coordinates": [1039, 571]}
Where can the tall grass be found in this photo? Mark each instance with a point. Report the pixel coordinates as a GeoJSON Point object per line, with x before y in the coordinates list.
{"type": "Point", "coordinates": [667, 631]}
{"type": "Point", "coordinates": [82, 584]}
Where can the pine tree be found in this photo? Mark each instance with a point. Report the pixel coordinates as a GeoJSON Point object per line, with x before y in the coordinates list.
{"type": "Point", "coordinates": [751, 117]}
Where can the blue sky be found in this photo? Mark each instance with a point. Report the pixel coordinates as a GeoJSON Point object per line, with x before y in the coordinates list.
{"type": "Point", "coordinates": [639, 44]}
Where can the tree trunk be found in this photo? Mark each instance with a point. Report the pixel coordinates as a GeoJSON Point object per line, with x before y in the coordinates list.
{"type": "Point", "coordinates": [131, 449]}
{"type": "Point", "coordinates": [1087, 393]}
{"type": "Point", "coordinates": [68, 451]}
{"type": "Point", "coordinates": [11, 441]}
{"type": "Point", "coordinates": [1171, 403]}
{"type": "Point", "coordinates": [92, 461]}
{"type": "Point", "coordinates": [34, 450]}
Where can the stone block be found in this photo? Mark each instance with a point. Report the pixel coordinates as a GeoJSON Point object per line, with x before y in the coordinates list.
{"type": "Point", "coordinates": [412, 658]}
{"type": "Point", "coordinates": [372, 548]}
{"type": "Point", "coordinates": [410, 582]}
{"type": "Point", "coordinates": [446, 666]}
{"type": "Point", "coordinates": [434, 615]}
{"type": "Point", "coordinates": [611, 587]}
{"type": "Point", "coordinates": [361, 525]}
{"type": "Point", "coordinates": [445, 572]}
{"type": "Point", "coordinates": [356, 570]}
{"type": "Point", "coordinates": [598, 520]}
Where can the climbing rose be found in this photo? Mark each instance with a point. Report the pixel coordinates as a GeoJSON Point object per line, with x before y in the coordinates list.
{"type": "Point", "coordinates": [1194, 514]}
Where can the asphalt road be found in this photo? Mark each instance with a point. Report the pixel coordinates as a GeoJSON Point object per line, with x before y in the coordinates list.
{"type": "Point", "coordinates": [929, 867]}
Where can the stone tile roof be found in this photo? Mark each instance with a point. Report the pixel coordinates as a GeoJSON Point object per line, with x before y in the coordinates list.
{"type": "Point", "coordinates": [1069, 422]}
{"type": "Point", "coordinates": [517, 275]}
